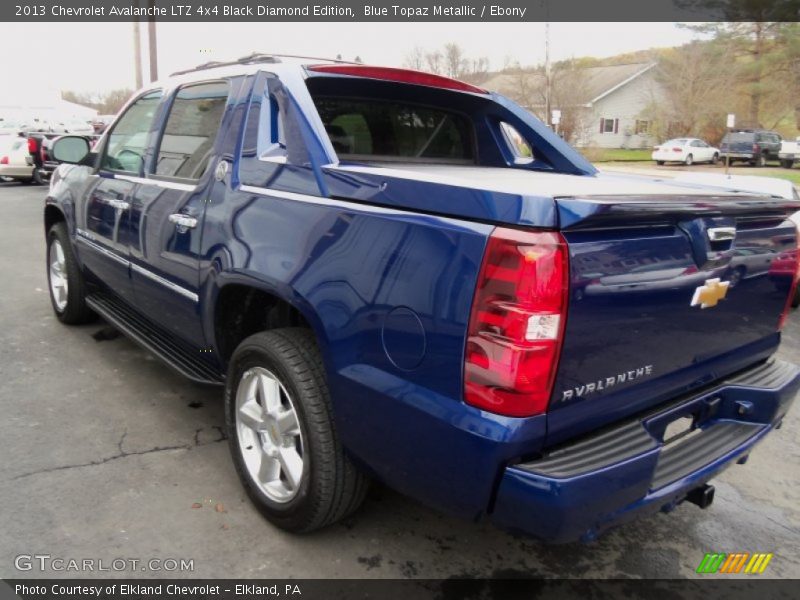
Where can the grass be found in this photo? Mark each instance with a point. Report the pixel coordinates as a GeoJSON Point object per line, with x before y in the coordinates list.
{"type": "Point", "coordinates": [616, 154]}
{"type": "Point", "coordinates": [792, 175]}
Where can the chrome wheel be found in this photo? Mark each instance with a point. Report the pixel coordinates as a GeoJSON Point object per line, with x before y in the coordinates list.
{"type": "Point", "coordinates": [269, 436]}
{"type": "Point", "coordinates": [58, 275]}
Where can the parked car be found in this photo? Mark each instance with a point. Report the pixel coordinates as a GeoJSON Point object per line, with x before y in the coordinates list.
{"type": "Point", "coordinates": [15, 163]}
{"type": "Point", "coordinates": [76, 126]}
{"type": "Point", "coordinates": [685, 150]}
{"type": "Point", "coordinates": [101, 122]}
{"type": "Point", "coordinates": [395, 306]}
{"type": "Point", "coordinates": [39, 145]}
{"type": "Point", "coordinates": [789, 153]}
{"type": "Point", "coordinates": [756, 146]}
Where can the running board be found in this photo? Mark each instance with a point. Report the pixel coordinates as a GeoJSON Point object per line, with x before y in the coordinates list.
{"type": "Point", "coordinates": [152, 338]}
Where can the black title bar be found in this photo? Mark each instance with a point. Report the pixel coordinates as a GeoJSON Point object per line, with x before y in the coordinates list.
{"type": "Point", "coordinates": [400, 10]}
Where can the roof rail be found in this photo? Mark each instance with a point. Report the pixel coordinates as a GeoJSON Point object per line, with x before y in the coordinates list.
{"type": "Point", "coordinates": [255, 57]}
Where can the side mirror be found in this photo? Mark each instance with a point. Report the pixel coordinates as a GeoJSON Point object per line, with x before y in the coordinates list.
{"type": "Point", "coordinates": [70, 149]}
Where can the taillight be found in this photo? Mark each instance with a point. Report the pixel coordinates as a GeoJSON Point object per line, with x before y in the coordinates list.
{"type": "Point", "coordinates": [517, 323]}
{"type": "Point", "coordinates": [32, 146]}
{"type": "Point", "coordinates": [677, 149]}
{"type": "Point", "coordinates": [690, 270]}
{"type": "Point", "coordinates": [756, 148]}
{"type": "Point", "coordinates": [4, 160]}
{"type": "Point", "coordinates": [42, 154]}
{"type": "Point", "coordinates": [791, 255]}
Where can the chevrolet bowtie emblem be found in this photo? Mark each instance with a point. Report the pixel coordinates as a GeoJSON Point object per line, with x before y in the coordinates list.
{"type": "Point", "coordinates": [710, 293]}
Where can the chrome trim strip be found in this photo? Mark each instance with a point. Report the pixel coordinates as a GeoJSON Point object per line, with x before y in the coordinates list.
{"type": "Point", "coordinates": [252, 189]}
{"type": "Point", "coordinates": [172, 185]}
{"type": "Point", "coordinates": [84, 237]}
{"type": "Point", "coordinates": [166, 283]}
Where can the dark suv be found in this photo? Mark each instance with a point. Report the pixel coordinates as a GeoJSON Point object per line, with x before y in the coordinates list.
{"type": "Point", "coordinates": [756, 146]}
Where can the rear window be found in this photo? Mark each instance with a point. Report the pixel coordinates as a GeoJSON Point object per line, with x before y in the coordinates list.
{"type": "Point", "coordinates": [387, 130]}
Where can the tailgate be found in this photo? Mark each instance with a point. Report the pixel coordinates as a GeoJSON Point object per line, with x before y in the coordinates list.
{"type": "Point", "coordinates": [640, 271]}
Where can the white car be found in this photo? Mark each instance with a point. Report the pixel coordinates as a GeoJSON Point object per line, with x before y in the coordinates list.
{"type": "Point", "coordinates": [72, 126]}
{"type": "Point", "coordinates": [685, 150]}
{"type": "Point", "coordinates": [15, 160]}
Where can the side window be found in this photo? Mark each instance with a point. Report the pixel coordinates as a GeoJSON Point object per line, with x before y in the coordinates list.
{"type": "Point", "coordinates": [274, 153]}
{"type": "Point", "coordinates": [264, 134]}
{"type": "Point", "coordinates": [190, 130]}
{"type": "Point", "coordinates": [519, 147]}
{"type": "Point", "coordinates": [127, 141]}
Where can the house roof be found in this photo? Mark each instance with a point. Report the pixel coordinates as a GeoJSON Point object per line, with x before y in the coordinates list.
{"type": "Point", "coordinates": [599, 82]}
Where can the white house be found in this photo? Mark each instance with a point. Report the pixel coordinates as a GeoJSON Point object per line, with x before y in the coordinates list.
{"type": "Point", "coordinates": [609, 103]}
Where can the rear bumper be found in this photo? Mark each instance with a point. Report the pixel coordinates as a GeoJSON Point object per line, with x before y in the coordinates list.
{"type": "Point", "coordinates": [15, 171]}
{"type": "Point", "coordinates": [584, 487]}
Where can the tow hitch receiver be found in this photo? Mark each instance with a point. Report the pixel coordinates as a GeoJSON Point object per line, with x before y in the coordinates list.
{"type": "Point", "coordinates": [702, 496]}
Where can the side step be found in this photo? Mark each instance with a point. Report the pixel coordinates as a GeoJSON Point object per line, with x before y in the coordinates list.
{"type": "Point", "coordinates": [152, 338]}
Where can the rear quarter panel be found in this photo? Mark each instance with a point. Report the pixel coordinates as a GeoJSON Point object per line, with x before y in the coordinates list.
{"type": "Point", "coordinates": [388, 294]}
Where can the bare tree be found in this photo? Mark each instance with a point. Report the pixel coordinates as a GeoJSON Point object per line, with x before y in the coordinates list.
{"type": "Point", "coordinates": [415, 59]}
{"type": "Point", "coordinates": [695, 92]}
{"type": "Point", "coordinates": [434, 62]}
{"type": "Point", "coordinates": [454, 60]}
{"type": "Point", "coordinates": [107, 103]}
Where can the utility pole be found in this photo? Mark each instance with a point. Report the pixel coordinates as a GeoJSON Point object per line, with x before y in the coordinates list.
{"type": "Point", "coordinates": [137, 54]}
{"type": "Point", "coordinates": [153, 48]}
{"type": "Point", "coordinates": [547, 81]}
{"type": "Point", "coordinates": [153, 43]}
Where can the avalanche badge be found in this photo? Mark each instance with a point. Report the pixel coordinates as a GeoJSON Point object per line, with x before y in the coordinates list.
{"type": "Point", "coordinates": [710, 293]}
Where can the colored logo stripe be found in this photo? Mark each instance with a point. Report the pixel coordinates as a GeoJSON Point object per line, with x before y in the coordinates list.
{"type": "Point", "coordinates": [720, 562]}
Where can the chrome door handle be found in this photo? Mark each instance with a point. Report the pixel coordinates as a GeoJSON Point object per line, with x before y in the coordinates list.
{"type": "Point", "coordinates": [183, 221]}
{"type": "Point", "coordinates": [721, 234]}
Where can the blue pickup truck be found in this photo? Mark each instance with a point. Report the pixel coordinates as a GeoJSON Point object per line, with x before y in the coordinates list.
{"type": "Point", "coordinates": [405, 278]}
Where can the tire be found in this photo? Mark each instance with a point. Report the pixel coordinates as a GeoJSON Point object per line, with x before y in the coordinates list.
{"type": "Point", "coordinates": [787, 163]}
{"type": "Point", "coordinates": [25, 181]}
{"type": "Point", "coordinates": [736, 276]}
{"type": "Point", "coordinates": [660, 163]}
{"type": "Point", "coordinates": [69, 299]}
{"type": "Point", "coordinates": [689, 160]}
{"type": "Point", "coordinates": [759, 161]}
{"type": "Point", "coordinates": [327, 486]}
{"type": "Point", "coordinates": [715, 158]}
{"type": "Point", "coordinates": [37, 177]}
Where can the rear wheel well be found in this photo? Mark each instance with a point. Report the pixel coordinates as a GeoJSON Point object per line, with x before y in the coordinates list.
{"type": "Point", "coordinates": [242, 311]}
{"type": "Point", "coordinates": [52, 215]}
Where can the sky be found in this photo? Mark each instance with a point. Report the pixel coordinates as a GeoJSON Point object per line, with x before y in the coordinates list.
{"type": "Point", "coordinates": [97, 57]}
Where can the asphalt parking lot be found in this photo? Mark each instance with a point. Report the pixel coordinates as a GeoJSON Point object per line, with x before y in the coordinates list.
{"type": "Point", "coordinates": [106, 451]}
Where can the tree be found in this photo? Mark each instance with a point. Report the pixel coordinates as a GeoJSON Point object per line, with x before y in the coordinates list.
{"type": "Point", "coordinates": [751, 47]}
{"type": "Point", "coordinates": [107, 103]}
{"type": "Point", "coordinates": [694, 92]}
{"type": "Point", "coordinates": [454, 60]}
{"type": "Point", "coordinates": [415, 59]}
{"type": "Point", "coordinates": [451, 61]}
